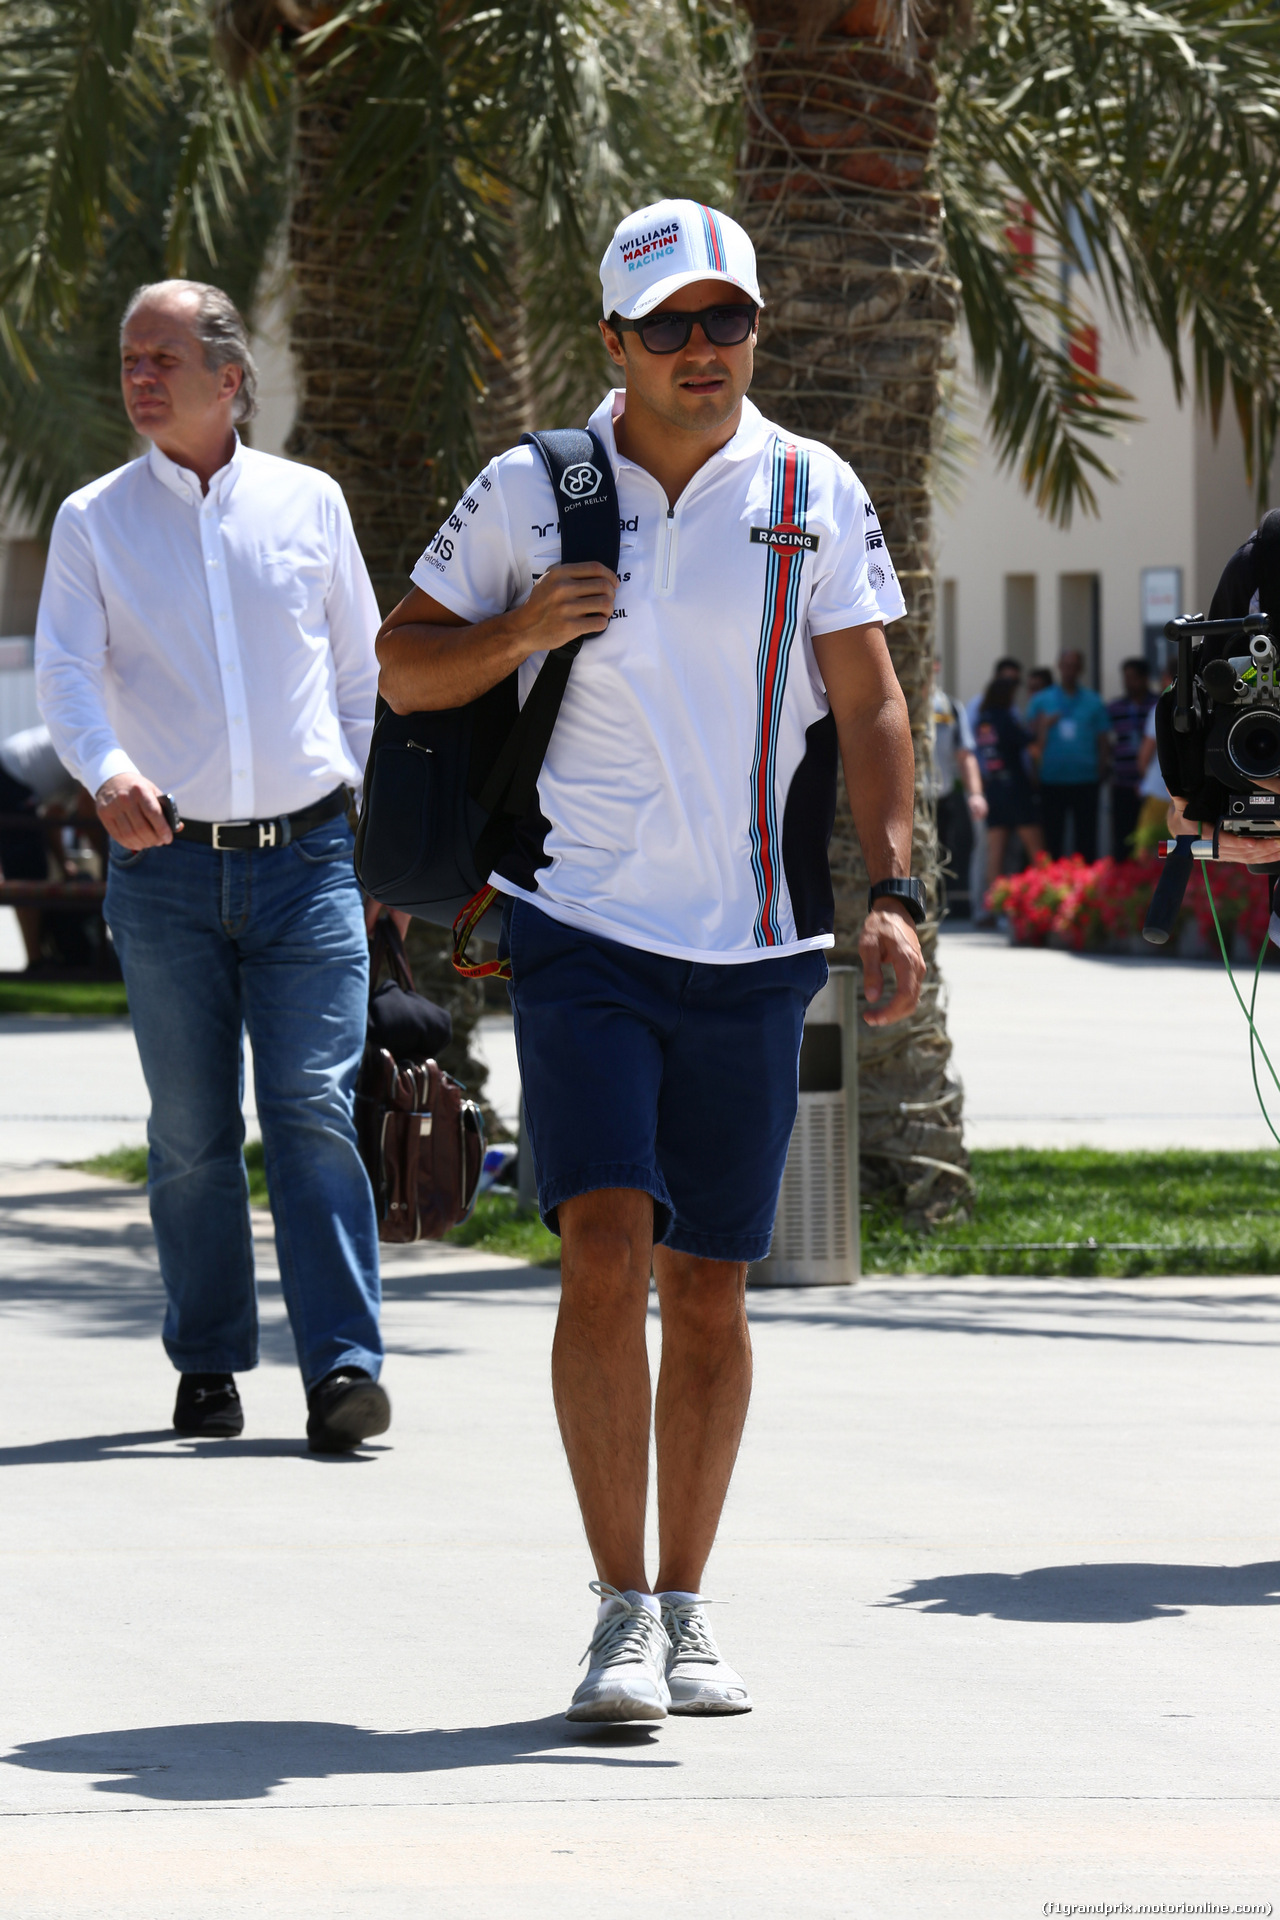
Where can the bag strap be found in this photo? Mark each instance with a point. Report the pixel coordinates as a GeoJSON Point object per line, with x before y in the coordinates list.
{"type": "Point", "coordinates": [385, 944]}
{"type": "Point", "coordinates": [586, 500]}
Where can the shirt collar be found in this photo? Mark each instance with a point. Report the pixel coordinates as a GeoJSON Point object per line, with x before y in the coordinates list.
{"type": "Point", "coordinates": [752, 429]}
{"type": "Point", "coordinates": [186, 485]}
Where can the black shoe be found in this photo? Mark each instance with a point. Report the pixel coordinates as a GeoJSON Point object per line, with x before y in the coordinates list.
{"type": "Point", "coordinates": [209, 1406]}
{"type": "Point", "coordinates": [346, 1407]}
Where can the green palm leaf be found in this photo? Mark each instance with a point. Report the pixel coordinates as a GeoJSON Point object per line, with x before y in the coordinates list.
{"type": "Point", "coordinates": [1146, 137]}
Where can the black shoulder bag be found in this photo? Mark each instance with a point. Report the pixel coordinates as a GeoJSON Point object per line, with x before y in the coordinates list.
{"type": "Point", "coordinates": [445, 792]}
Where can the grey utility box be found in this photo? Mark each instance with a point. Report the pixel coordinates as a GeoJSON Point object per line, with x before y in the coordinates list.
{"type": "Point", "coordinates": [816, 1236]}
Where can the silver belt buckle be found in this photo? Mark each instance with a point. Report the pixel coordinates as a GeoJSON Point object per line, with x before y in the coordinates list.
{"type": "Point", "coordinates": [218, 825]}
{"type": "Point", "coordinates": [266, 833]}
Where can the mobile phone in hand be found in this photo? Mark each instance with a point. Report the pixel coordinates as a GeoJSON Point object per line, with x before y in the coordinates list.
{"type": "Point", "coordinates": [169, 808]}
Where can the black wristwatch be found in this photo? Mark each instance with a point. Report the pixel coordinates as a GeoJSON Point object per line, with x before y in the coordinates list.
{"type": "Point", "coordinates": [910, 892]}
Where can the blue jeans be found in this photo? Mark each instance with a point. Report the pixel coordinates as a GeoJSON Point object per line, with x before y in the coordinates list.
{"type": "Point", "coordinates": [211, 943]}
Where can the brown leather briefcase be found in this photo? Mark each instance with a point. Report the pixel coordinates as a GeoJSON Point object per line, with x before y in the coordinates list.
{"type": "Point", "coordinates": [421, 1139]}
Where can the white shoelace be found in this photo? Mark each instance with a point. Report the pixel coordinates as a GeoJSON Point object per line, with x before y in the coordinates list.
{"type": "Point", "coordinates": [692, 1636]}
{"type": "Point", "coordinates": [624, 1637]}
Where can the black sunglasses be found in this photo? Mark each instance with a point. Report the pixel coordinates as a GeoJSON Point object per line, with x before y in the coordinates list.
{"type": "Point", "coordinates": [668, 332]}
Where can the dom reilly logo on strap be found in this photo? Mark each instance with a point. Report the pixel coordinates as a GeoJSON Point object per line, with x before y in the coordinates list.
{"type": "Point", "coordinates": [580, 482]}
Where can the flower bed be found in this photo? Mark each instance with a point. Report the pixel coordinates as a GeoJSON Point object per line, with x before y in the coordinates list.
{"type": "Point", "coordinates": [1101, 908]}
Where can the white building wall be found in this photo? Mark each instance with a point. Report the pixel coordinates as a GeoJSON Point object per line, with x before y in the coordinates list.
{"type": "Point", "coordinates": [1147, 518]}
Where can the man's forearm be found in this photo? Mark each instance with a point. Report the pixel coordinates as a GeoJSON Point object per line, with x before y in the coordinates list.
{"type": "Point", "coordinates": [970, 774]}
{"type": "Point", "coordinates": [880, 774]}
{"type": "Point", "coordinates": [428, 668]}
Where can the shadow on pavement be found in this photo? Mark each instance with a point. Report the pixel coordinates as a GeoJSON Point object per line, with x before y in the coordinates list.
{"type": "Point", "coordinates": [162, 1443]}
{"type": "Point", "coordinates": [246, 1759]}
{"type": "Point", "coordinates": [1118, 1594]}
{"type": "Point", "coordinates": [1080, 1310]}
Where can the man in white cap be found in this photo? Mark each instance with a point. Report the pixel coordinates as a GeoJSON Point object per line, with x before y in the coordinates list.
{"type": "Point", "coordinates": [669, 899]}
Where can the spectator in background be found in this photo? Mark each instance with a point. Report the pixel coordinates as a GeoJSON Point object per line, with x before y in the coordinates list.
{"type": "Point", "coordinates": [1128, 722]}
{"type": "Point", "coordinates": [957, 791]}
{"type": "Point", "coordinates": [1039, 680]}
{"type": "Point", "coordinates": [1001, 742]}
{"type": "Point", "coordinates": [31, 777]}
{"type": "Point", "coordinates": [1153, 819]}
{"type": "Point", "coordinates": [1006, 668]}
{"type": "Point", "coordinates": [1072, 731]}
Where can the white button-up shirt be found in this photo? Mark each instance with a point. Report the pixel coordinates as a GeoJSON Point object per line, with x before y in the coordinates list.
{"type": "Point", "coordinates": [219, 644]}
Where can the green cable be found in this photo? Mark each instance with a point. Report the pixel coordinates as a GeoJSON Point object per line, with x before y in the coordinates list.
{"type": "Point", "coordinates": [1255, 1044]}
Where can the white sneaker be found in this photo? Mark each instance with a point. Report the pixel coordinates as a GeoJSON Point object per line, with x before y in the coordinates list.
{"type": "Point", "coordinates": [626, 1678]}
{"type": "Point", "coordinates": [700, 1678]}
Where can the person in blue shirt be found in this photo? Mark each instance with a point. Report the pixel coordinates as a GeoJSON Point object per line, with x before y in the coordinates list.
{"type": "Point", "coordinates": [1073, 742]}
{"type": "Point", "coordinates": [1128, 724]}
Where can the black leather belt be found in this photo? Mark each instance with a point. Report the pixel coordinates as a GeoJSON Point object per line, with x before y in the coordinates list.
{"type": "Point", "coordinates": [247, 836]}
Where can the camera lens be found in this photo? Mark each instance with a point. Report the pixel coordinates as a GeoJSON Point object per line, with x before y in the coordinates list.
{"type": "Point", "coordinates": [1253, 745]}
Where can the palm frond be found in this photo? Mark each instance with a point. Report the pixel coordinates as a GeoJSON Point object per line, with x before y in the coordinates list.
{"type": "Point", "coordinates": [65, 114]}
{"type": "Point", "coordinates": [188, 179]}
{"type": "Point", "coordinates": [1145, 135]}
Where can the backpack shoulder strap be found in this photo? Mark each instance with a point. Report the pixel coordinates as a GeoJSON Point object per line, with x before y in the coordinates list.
{"type": "Point", "coordinates": [586, 502]}
{"type": "Point", "coordinates": [586, 499]}
{"type": "Point", "coordinates": [586, 495]}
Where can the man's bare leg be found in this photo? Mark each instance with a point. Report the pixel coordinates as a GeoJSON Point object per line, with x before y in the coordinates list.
{"type": "Point", "coordinates": [600, 1372]}
{"type": "Point", "coordinates": [704, 1385]}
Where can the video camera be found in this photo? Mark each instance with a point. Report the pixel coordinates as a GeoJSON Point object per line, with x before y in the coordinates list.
{"type": "Point", "coordinates": [1217, 736]}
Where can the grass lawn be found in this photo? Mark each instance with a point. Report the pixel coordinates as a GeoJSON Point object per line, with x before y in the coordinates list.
{"type": "Point", "coordinates": [1083, 1212]}
{"type": "Point", "coordinates": [494, 1227]}
{"type": "Point", "coordinates": [95, 999]}
{"type": "Point", "coordinates": [1076, 1212]}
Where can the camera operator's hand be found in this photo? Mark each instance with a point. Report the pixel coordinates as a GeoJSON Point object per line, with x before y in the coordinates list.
{"type": "Point", "coordinates": [1237, 849]}
{"type": "Point", "coordinates": [129, 808]}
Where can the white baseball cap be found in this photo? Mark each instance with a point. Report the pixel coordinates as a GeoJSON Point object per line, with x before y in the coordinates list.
{"type": "Point", "coordinates": [655, 252]}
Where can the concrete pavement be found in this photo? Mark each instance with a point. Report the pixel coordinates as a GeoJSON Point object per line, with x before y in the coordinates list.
{"type": "Point", "coordinates": [1000, 1566]}
{"type": "Point", "coordinates": [1065, 1049]}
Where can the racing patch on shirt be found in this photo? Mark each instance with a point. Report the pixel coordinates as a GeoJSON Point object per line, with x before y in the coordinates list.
{"type": "Point", "coordinates": [788, 509]}
{"type": "Point", "coordinates": [784, 537]}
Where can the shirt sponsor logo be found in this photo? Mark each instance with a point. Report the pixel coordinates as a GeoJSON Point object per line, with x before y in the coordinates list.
{"type": "Point", "coordinates": [787, 538]}
{"type": "Point", "coordinates": [876, 576]}
{"type": "Point", "coordinates": [580, 482]}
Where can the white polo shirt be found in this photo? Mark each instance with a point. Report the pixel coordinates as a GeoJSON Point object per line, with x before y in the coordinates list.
{"type": "Point", "coordinates": [688, 792]}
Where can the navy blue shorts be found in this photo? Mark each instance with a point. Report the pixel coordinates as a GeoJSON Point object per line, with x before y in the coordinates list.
{"type": "Point", "coordinates": [669, 1076]}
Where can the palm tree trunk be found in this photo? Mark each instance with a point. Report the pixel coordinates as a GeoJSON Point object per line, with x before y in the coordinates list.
{"type": "Point", "coordinates": [836, 192]}
{"type": "Point", "coordinates": [353, 421]}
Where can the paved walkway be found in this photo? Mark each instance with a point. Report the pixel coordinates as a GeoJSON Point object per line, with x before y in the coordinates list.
{"type": "Point", "coordinates": [1001, 1568]}
{"type": "Point", "coordinates": [1064, 1049]}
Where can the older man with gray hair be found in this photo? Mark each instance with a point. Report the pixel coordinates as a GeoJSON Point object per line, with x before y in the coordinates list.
{"type": "Point", "coordinates": [205, 665]}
